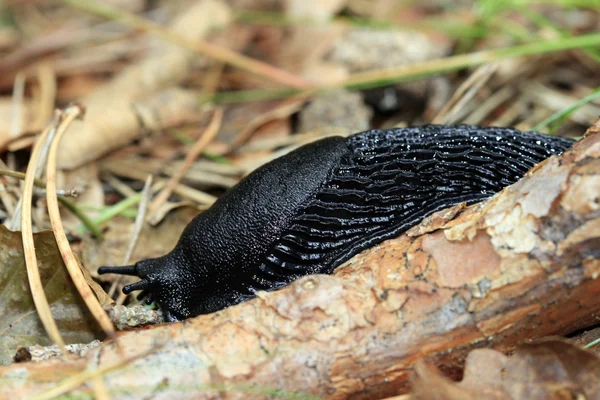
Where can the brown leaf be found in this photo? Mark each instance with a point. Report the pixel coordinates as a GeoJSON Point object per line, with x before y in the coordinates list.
{"type": "Point", "coordinates": [552, 369]}
{"type": "Point", "coordinates": [549, 369]}
{"type": "Point", "coordinates": [483, 369]}
{"type": "Point", "coordinates": [429, 384]}
{"type": "Point", "coordinates": [20, 325]}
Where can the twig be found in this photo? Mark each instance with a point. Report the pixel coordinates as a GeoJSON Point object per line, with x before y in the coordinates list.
{"type": "Point", "coordinates": [85, 220]}
{"type": "Point", "coordinates": [20, 175]}
{"type": "Point", "coordinates": [135, 235]}
{"type": "Point", "coordinates": [465, 93]}
{"type": "Point", "coordinates": [194, 152]}
{"type": "Point", "coordinates": [182, 190]}
{"type": "Point", "coordinates": [17, 105]}
{"type": "Point", "coordinates": [69, 258]}
{"type": "Point", "coordinates": [35, 283]}
{"type": "Point", "coordinates": [139, 220]}
{"type": "Point", "coordinates": [490, 104]}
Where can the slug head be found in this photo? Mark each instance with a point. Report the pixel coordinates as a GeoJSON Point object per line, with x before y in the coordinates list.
{"type": "Point", "coordinates": [161, 281]}
{"type": "Point", "coordinates": [216, 262]}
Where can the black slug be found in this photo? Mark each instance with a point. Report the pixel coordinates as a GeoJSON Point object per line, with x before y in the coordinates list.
{"type": "Point", "coordinates": [316, 207]}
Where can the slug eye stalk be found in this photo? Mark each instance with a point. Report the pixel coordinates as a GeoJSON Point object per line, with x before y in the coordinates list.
{"type": "Point", "coordinates": [130, 270]}
{"type": "Point", "coordinates": [139, 285]}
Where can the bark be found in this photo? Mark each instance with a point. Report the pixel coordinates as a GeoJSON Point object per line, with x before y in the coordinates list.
{"type": "Point", "coordinates": [520, 266]}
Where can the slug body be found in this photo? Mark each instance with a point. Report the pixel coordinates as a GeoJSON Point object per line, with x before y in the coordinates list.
{"type": "Point", "coordinates": [314, 208]}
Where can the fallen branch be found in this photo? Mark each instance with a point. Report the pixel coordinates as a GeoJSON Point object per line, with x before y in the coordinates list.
{"type": "Point", "coordinates": [522, 265]}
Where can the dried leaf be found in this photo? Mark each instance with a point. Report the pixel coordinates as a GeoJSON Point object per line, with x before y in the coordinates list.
{"type": "Point", "coordinates": [20, 325]}
{"type": "Point", "coordinates": [430, 384]}
{"type": "Point", "coordinates": [550, 369]}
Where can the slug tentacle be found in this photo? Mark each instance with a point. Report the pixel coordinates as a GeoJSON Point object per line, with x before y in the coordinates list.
{"type": "Point", "coordinates": [139, 285]}
{"type": "Point", "coordinates": [124, 270]}
{"type": "Point", "coordinates": [314, 208]}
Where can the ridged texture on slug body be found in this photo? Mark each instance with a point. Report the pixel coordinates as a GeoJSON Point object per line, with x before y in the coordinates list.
{"type": "Point", "coordinates": [311, 210]}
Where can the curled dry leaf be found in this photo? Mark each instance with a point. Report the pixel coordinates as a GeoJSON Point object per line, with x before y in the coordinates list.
{"type": "Point", "coordinates": [550, 369]}
{"type": "Point", "coordinates": [359, 331]}
{"type": "Point", "coordinates": [20, 325]}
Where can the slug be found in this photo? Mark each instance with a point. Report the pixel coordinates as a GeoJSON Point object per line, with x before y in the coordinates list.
{"type": "Point", "coordinates": [316, 207]}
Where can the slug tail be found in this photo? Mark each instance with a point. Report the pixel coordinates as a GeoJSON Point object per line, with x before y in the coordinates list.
{"type": "Point", "coordinates": [124, 270]}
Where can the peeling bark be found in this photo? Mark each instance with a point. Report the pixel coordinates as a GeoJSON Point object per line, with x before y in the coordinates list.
{"type": "Point", "coordinates": [522, 265]}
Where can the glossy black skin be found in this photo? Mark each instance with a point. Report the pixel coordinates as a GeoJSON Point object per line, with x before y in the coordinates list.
{"type": "Point", "coordinates": [314, 208]}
